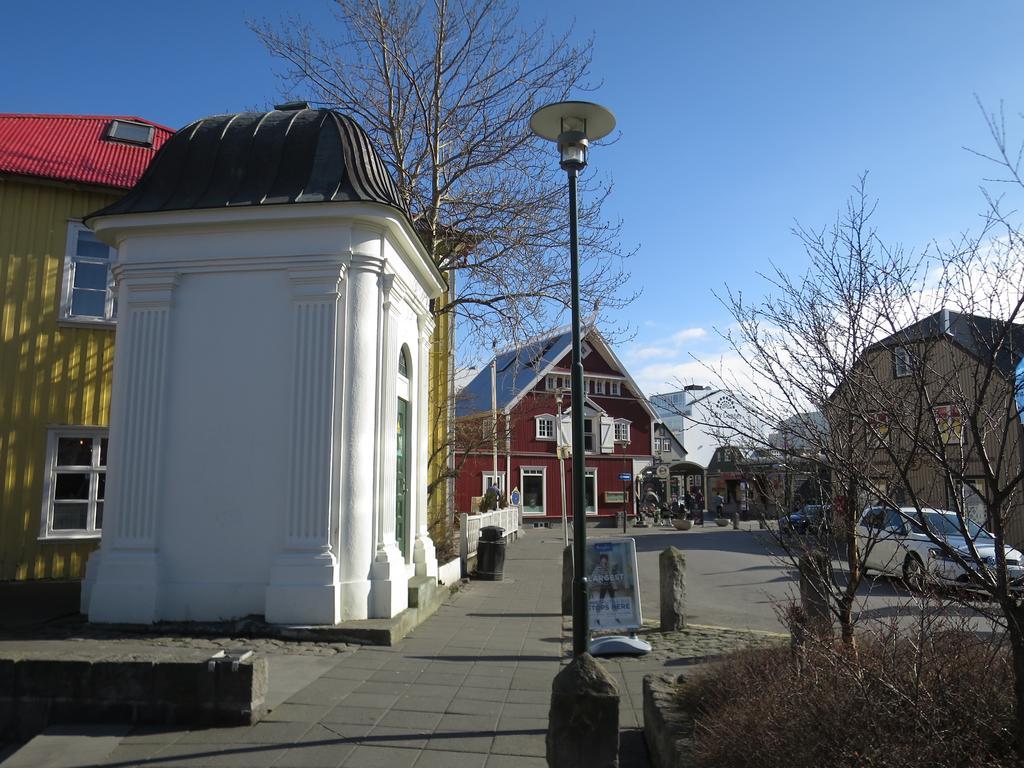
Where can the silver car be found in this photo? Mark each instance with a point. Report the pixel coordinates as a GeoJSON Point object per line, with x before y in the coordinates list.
{"type": "Point", "coordinates": [895, 542]}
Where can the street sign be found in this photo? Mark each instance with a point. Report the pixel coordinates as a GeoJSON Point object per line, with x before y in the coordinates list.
{"type": "Point", "coordinates": [625, 477]}
{"type": "Point", "coordinates": [515, 497]}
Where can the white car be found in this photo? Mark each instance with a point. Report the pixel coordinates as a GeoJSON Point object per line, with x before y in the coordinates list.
{"type": "Point", "coordinates": [895, 543]}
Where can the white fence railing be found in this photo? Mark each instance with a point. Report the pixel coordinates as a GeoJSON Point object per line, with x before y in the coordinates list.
{"type": "Point", "coordinates": [509, 518]}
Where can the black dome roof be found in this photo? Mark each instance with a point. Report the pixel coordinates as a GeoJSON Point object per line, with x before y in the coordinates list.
{"type": "Point", "coordinates": [290, 155]}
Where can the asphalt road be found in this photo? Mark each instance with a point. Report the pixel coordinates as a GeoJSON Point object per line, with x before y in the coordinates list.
{"type": "Point", "coordinates": [742, 579]}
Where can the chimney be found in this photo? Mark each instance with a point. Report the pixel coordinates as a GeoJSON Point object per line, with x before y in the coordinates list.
{"type": "Point", "coordinates": [945, 321]}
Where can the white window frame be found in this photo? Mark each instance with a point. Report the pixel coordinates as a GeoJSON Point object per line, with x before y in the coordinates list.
{"type": "Point", "coordinates": [486, 482]}
{"type": "Point", "coordinates": [71, 259]}
{"type": "Point", "coordinates": [549, 420]}
{"type": "Point", "coordinates": [556, 381]}
{"type": "Point", "coordinates": [590, 472]}
{"type": "Point", "coordinates": [622, 430]}
{"type": "Point", "coordinates": [542, 472]}
{"type": "Point", "coordinates": [903, 362]}
{"type": "Point", "coordinates": [615, 388]}
{"type": "Point", "coordinates": [95, 469]}
{"type": "Point", "coordinates": [595, 437]}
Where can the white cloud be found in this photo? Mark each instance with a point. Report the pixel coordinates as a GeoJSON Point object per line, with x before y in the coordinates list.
{"type": "Point", "coordinates": [688, 334]}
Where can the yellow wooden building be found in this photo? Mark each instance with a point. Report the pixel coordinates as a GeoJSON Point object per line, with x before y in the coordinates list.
{"type": "Point", "coordinates": [57, 325]}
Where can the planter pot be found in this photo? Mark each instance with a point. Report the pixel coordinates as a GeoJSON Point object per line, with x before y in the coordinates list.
{"type": "Point", "coordinates": [682, 524]}
{"type": "Point", "coordinates": [721, 522]}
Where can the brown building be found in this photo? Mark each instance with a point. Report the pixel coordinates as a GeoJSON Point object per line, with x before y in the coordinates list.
{"type": "Point", "coordinates": [930, 416]}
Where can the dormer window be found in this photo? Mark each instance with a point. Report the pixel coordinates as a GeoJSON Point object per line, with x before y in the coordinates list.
{"type": "Point", "coordinates": [130, 132]}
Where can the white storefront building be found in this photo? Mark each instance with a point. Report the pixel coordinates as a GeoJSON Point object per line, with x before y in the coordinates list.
{"type": "Point", "coordinates": [268, 433]}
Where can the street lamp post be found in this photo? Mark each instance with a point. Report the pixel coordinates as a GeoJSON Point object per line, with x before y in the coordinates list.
{"type": "Point", "coordinates": [573, 125]}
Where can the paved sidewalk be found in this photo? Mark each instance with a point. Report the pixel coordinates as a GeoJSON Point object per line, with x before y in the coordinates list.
{"type": "Point", "coordinates": [470, 688]}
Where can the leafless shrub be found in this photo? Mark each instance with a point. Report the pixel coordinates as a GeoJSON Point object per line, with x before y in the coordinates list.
{"type": "Point", "coordinates": [934, 694]}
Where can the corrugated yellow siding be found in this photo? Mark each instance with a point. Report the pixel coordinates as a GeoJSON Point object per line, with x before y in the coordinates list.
{"type": "Point", "coordinates": [439, 407]}
{"type": "Point", "coordinates": [49, 374]}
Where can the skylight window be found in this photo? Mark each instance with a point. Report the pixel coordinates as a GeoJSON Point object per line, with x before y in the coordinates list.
{"type": "Point", "coordinates": [130, 132]}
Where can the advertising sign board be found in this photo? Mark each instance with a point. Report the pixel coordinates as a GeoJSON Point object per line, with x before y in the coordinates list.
{"type": "Point", "coordinates": [614, 585]}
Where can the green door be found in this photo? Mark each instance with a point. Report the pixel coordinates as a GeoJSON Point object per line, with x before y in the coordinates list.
{"type": "Point", "coordinates": [402, 479]}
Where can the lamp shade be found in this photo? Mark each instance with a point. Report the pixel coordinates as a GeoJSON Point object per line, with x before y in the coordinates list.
{"type": "Point", "coordinates": [593, 120]}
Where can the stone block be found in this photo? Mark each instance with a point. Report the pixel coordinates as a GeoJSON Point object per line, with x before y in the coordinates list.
{"type": "Point", "coordinates": [583, 724]}
{"type": "Point", "coordinates": [668, 730]}
{"type": "Point", "coordinates": [121, 681]}
{"type": "Point", "coordinates": [672, 579]}
{"type": "Point", "coordinates": [567, 574]}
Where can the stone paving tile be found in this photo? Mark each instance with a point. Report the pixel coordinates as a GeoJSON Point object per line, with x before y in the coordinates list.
{"type": "Point", "coordinates": [422, 703]}
{"type": "Point", "coordinates": [482, 681]}
{"type": "Point", "coordinates": [246, 758]}
{"type": "Point", "coordinates": [345, 671]}
{"type": "Point", "coordinates": [274, 732]}
{"type": "Point", "coordinates": [297, 712]}
{"type": "Point", "coordinates": [518, 696]}
{"type": "Point", "coordinates": [383, 688]}
{"type": "Point", "coordinates": [370, 700]}
{"type": "Point", "coordinates": [474, 708]}
{"type": "Point", "coordinates": [404, 738]}
{"type": "Point", "coordinates": [446, 759]}
{"type": "Point", "coordinates": [442, 677]}
{"type": "Point", "coordinates": [461, 742]}
{"type": "Point", "coordinates": [397, 718]}
{"type": "Point", "coordinates": [518, 761]}
{"type": "Point", "coordinates": [481, 694]}
{"type": "Point", "coordinates": [511, 725]}
{"type": "Point", "coordinates": [353, 715]}
{"type": "Point", "coordinates": [459, 723]}
{"type": "Point", "coordinates": [522, 710]}
{"type": "Point", "coordinates": [129, 754]}
{"type": "Point", "coordinates": [335, 733]}
{"type": "Point", "coordinates": [520, 743]}
{"type": "Point", "coordinates": [153, 734]}
{"type": "Point", "coordinates": [315, 756]}
{"type": "Point", "coordinates": [380, 757]}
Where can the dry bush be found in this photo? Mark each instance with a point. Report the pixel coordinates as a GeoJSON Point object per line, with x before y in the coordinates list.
{"type": "Point", "coordinates": [937, 698]}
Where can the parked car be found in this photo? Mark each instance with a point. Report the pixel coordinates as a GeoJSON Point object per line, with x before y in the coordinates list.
{"type": "Point", "coordinates": [896, 543]}
{"type": "Point", "coordinates": [808, 519]}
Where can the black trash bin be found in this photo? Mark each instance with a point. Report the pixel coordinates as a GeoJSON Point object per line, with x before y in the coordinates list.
{"type": "Point", "coordinates": [490, 553]}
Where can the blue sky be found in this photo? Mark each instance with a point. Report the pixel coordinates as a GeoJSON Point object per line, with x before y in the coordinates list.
{"type": "Point", "coordinates": [737, 119]}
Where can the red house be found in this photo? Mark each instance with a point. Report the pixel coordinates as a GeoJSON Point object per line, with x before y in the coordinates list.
{"type": "Point", "coordinates": [534, 411]}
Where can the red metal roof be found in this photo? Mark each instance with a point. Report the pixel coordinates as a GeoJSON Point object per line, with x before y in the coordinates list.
{"type": "Point", "coordinates": [74, 148]}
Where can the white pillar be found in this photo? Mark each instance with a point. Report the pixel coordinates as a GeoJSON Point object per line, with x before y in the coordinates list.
{"type": "Point", "coordinates": [390, 583]}
{"type": "Point", "coordinates": [424, 554]}
{"type": "Point", "coordinates": [304, 579]}
{"type": "Point", "coordinates": [124, 578]}
{"type": "Point", "coordinates": [358, 487]}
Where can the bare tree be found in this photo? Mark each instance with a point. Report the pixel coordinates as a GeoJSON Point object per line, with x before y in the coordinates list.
{"type": "Point", "coordinates": [917, 364]}
{"type": "Point", "coordinates": [445, 88]}
{"type": "Point", "coordinates": [800, 348]}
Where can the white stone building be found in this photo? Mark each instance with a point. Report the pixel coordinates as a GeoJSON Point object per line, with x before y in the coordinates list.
{"type": "Point", "coordinates": [268, 432]}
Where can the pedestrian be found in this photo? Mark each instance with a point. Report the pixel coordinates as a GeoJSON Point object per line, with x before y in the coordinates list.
{"type": "Point", "coordinates": [719, 505]}
{"type": "Point", "coordinates": [688, 503]}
